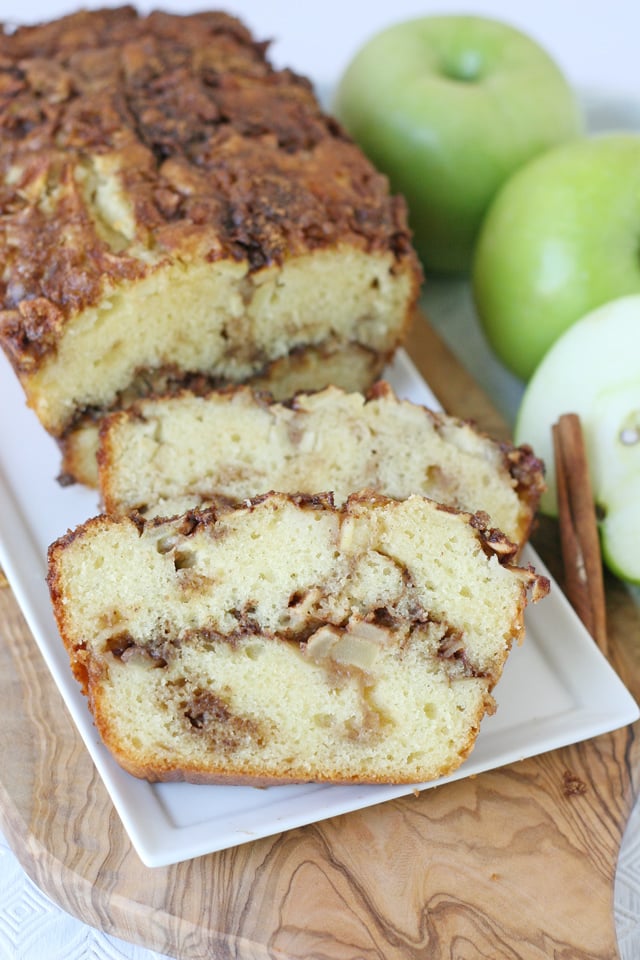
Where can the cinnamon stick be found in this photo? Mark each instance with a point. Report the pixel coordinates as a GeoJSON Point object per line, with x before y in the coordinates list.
{"type": "Point", "coordinates": [580, 543]}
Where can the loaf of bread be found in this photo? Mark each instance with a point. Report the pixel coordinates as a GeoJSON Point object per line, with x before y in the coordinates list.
{"type": "Point", "coordinates": [290, 640]}
{"type": "Point", "coordinates": [167, 455]}
{"type": "Point", "coordinates": [176, 212]}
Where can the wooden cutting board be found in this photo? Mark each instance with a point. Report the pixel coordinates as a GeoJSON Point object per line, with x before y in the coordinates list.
{"type": "Point", "coordinates": [517, 863]}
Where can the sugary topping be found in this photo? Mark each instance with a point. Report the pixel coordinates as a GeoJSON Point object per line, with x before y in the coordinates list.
{"type": "Point", "coordinates": [127, 140]}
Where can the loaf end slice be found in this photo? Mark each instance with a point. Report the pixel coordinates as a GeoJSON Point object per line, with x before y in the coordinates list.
{"type": "Point", "coordinates": [177, 210]}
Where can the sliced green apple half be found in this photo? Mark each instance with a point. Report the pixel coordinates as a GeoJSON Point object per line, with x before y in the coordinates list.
{"type": "Point", "coordinates": [594, 370]}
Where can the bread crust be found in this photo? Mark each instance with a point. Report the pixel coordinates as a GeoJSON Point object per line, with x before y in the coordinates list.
{"type": "Point", "coordinates": [218, 155]}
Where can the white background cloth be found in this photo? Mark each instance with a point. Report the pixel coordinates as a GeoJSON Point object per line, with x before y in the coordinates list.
{"type": "Point", "coordinates": [596, 43]}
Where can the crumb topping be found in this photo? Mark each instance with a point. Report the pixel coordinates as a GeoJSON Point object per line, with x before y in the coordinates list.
{"type": "Point", "coordinates": [128, 140]}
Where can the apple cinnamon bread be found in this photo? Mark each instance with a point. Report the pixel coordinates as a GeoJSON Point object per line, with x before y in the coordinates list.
{"type": "Point", "coordinates": [164, 456]}
{"type": "Point", "coordinates": [290, 640]}
{"type": "Point", "coordinates": [177, 212]}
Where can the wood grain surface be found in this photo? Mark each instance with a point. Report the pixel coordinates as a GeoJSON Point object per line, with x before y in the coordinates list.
{"type": "Point", "coordinates": [518, 863]}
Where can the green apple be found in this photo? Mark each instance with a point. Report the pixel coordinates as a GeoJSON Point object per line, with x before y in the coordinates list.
{"type": "Point", "coordinates": [561, 238]}
{"type": "Point", "coordinates": [593, 370]}
{"type": "Point", "coordinates": [449, 107]}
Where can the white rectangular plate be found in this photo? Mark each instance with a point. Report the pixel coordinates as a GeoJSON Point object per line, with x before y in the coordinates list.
{"type": "Point", "coordinates": [557, 688]}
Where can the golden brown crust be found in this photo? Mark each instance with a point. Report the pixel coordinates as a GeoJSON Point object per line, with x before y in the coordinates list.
{"type": "Point", "coordinates": [528, 472]}
{"type": "Point", "coordinates": [220, 155]}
